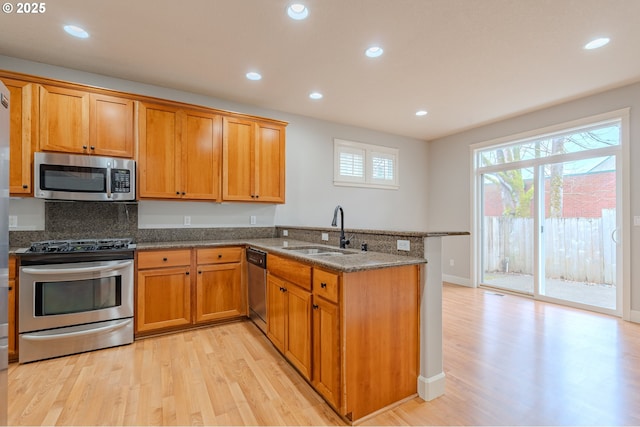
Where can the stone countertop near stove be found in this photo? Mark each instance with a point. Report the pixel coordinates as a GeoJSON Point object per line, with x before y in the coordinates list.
{"type": "Point", "coordinates": [355, 260]}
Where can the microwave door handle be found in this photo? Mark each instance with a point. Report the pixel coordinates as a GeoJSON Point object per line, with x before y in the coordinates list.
{"type": "Point", "coordinates": [58, 271]}
{"type": "Point", "coordinates": [108, 180]}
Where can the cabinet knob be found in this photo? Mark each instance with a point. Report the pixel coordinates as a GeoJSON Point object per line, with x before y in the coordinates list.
{"type": "Point", "coordinates": [315, 306]}
{"type": "Point", "coordinates": [93, 148]}
{"type": "Point", "coordinates": [183, 193]}
{"type": "Point", "coordinates": [84, 147]}
{"type": "Point", "coordinates": [219, 256]}
{"type": "Point", "coordinates": [199, 272]}
{"type": "Point", "coordinates": [25, 186]}
{"type": "Point", "coordinates": [187, 273]}
{"type": "Point", "coordinates": [178, 193]}
{"type": "Point", "coordinates": [283, 289]}
{"type": "Point", "coordinates": [164, 259]}
{"type": "Point", "coordinates": [323, 285]}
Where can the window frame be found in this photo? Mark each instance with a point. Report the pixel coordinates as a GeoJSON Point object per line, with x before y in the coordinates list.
{"type": "Point", "coordinates": [369, 152]}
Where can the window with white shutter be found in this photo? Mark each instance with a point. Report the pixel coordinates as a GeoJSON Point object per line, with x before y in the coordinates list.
{"type": "Point", "coordinates": [365, 165]}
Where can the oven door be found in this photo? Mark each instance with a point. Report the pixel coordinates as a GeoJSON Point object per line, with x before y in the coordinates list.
{"type": "Point", "coordinates": [59, 295]}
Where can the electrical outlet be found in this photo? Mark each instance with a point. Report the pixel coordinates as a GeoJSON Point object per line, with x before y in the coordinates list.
{"type": "Point", "coordinates": [285, 233]}
{"type": "Point", "coordinates": [404, 245]}
{"type": "Point", "coordinates": [13, 221]}
{"type": "Point", "coordinates": [187, 220]}
{"type": "Point", "coordinates": [325, 237]}
{"type": "Point", "coordinates": [253, 219]}
{"type": "Point", "coordinates": [451, 262]}
{"type": "Point", "coordinates": [636, 221]}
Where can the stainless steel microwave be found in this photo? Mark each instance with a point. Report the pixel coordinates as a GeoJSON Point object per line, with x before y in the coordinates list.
{"type": "Point", "coordinates": [83, 177]}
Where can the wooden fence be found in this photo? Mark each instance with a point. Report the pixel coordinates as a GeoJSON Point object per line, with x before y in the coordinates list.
{"type": "Point", "coordinates": [577, 249]}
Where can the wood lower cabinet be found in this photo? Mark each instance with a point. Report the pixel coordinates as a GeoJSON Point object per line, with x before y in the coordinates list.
{"type": "Point", "coordinates": [326, 336]}
{"type": "Point", "coordinates": [163, 290]}
{"type": "Point", "coordinates": [365, 332]}
{"type": "Point", "coordinates": [11, 309]}
{"type": "Point", "coordinates": [23, 114]}
{"type": "Point", "coordinates": [219, 286]}
{"type": "Point", "coordinates": [289, 311]}
{"type": "Point", "coordinates": [180, 288]}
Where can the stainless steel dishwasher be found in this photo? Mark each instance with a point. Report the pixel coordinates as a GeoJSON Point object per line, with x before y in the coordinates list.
{"type": "Point", "coordinates": [257, 261]}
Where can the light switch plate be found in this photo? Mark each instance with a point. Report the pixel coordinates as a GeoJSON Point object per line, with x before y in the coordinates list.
{"type": "Point", "coordinates": [13, 221]}
{"type": "Point", "coordinates": [285, 233]}
{"type": "Point", "coordinates": [252, 219]}
{"type": "Point", "coordinates": [187, 220]}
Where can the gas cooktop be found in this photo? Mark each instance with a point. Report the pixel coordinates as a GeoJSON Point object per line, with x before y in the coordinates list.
{"type": "Point", "coordinates": [83, 245]}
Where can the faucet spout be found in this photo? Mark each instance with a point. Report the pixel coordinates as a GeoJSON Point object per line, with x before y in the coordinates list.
{"type": "Point", "coordinates": [343, 240]}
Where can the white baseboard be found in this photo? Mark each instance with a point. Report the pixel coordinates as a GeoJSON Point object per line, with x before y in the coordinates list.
{"type": "Point", "coordinates": [456, 280]}
{"type": "Point", "coordinates": [634, 316]}
{"type": "Point", "coordinates": [430, 388]}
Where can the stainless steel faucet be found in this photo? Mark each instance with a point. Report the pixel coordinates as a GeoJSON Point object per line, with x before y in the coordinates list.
{"type": "Point", "coordinates": [343, 240]}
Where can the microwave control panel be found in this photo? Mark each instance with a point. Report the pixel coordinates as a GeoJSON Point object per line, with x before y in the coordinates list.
{"type": "Point", "coordinates": [120, 180]}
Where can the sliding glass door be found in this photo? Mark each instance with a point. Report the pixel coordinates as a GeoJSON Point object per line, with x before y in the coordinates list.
{"type": "Point", "coordinates": [548, 215]}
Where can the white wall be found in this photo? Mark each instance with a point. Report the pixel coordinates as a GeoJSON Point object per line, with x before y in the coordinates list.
{"type": "Point", "coordinates": [450, 183]}
{"type": "Point", "coordinates": [310, 193]}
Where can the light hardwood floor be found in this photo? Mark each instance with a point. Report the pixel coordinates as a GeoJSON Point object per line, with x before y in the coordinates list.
{"type": "Point", "coordinates": [508, 360]}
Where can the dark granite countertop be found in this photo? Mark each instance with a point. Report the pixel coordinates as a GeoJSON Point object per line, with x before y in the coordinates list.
{"type": "Point", "coordinates": [352, 260]}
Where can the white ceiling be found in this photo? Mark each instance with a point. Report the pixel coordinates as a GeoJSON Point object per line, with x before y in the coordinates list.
{"type": "Point", "coordinates": [468, 62]}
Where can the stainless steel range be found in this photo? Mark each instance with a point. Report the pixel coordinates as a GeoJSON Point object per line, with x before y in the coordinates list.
{"type": "Point", "coordinates": [75, 296]}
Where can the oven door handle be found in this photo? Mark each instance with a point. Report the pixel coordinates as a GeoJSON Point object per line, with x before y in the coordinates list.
{"type": "Point", "coordinates": [75, 270]}
{"type": "Point", "coordinates": [101, 329]}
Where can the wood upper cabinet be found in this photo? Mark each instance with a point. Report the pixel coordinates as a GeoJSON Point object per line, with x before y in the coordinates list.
{"type": "Point", "coordinates": [22, 134]}
{"type": "Point", "coordinates": [163, 290]}
{"type": "Point", "coordinates": [179, 153]}
{"type": "Point", "coordinates": [219, 284]}
{"type": "Point", "coordinates": [253, 166]}
{"type": "Point", "coordinates": [81, 122]}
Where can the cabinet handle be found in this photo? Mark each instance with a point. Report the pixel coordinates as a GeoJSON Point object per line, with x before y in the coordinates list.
{"type": "Point", "coordinates": [283, 289]}
{"type": "Point", "coordinates": [315, 306]}
{"type": "Point", "coordinates": [323, 285]}
{"type": "Point", "coordinates": [164, 259]}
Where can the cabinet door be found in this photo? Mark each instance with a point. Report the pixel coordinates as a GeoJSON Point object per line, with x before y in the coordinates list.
{"type": "Point", "coordinates": [201, 153]}
{"type": "Point", "coordinates": [11, 310]}
{"type": "Point", "coordinates": [163, 298]}
{"type": "Point", "coordinates": [159, 152]}
{"type": "Point", "coordinates": [270, 163]}
{"type": "Point", "coordinates": [22, 134]}
{"type": "Point", "coordinates": [276, 311]}
{"type": "Point", "coordinates": [298, 335]}
{"type": "Point", "coordinates": [63, 120]}
{"type": "Point", "coordinates": [326, 350]}
{"type": "Point", "coordinates": [111, 126]}
{"type": "Point", "coordinates": [238, 159]}
{"type": "Point", "coordinates": [219, 292]}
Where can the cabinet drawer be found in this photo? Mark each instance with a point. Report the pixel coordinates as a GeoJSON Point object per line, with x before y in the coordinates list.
{"type": "Point", "coordinates": [325, 284]}
{"type": "Point", "coordinates": [12, 267]}
{"type": "Point", "coordinates": [173, 258]}
{"type": "Point", "coordinates": [290, 270]}
{"type": "Point", "coordinates": [219, 255]}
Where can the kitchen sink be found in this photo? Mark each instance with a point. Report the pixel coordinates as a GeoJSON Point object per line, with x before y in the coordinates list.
{"type": "Point", "coordinates": [318, 250]}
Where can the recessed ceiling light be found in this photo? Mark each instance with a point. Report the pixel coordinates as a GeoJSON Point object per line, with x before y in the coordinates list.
{"type": "Point", "coordinates": [315, 95]}
{"type": "Point", "coordinates": [374, 51]}
{"type": "Point", "coordinates": [252, 75]}
{"type": "Point", "coordinates": [297, 11]}
{"type": "Point", "coordinates": [76, 31]}
{"type": "Point", "coordinates": [596, 43]}
{"type": "Point", "coordinates": [421, 113]}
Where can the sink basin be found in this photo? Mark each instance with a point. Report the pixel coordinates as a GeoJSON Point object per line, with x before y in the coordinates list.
{"type": "Point", "coordinates": [317, 250]}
